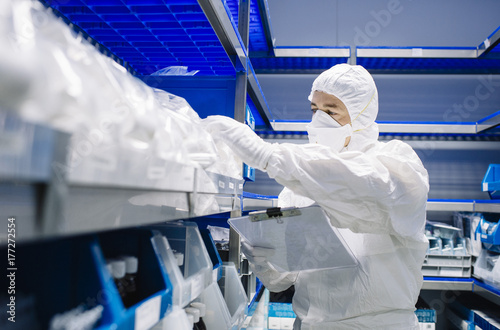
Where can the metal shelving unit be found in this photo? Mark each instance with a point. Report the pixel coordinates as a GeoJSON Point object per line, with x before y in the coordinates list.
{"type": "Point", "coordinates": [151, 35]}
{"type": "Point", "coordinates": [72, 200]}
{"type": "Point", "coordinates": [60, 201]}
{"type": "Point", "coordinates": [462, 284]}
{"type": "Point", "coordinates": [261, 202]}
{"type": "Point", "coordinates": [481, 126]}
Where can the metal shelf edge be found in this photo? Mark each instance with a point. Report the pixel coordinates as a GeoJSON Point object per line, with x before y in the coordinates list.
{"type": "Point", "coordinates": [312, 52]}
{"type": "Point", "coordinates": [462, 284]}
{"type": "Point", "coordinates": [392, 128]}
{"type": "Point", "coordinates": [416, 52]}
{"type": "Point", "coordinates": [219, 19]}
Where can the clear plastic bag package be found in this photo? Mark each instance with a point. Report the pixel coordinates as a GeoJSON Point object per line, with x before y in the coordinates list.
{"type": "Point", "coordinates": [55, 77]}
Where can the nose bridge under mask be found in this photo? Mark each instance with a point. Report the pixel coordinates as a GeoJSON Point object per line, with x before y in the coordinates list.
{"type": "Point", "coordinates": [325, 130]}
{"type": "Point", "coordinates": [323, 120]}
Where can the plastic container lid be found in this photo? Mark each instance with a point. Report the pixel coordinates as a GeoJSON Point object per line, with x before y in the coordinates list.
{"type": "Point", "coordinates": [201, 307]}
{"type": "Point", "coordinates": [131, 264]}
{"type": "Point", "coordinates": [195, 312]}
{"type": "Point", "coordinates": [118, 268]}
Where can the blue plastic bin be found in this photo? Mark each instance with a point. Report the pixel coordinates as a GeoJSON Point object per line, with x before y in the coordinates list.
{"type": "Point", "coordinates": [213, 253]}
{"type": "Point", "coordinates": [58, 276]}
{"type": "Point", "coordinates": [491, 181]}
{"type": "Point", "coordinates": [490, 234]}
{"type": "Point", "coordinates": [154, 296]}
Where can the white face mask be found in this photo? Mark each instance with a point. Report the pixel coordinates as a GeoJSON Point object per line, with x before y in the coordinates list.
{"type": "Point", "coordinates": [325, 130]}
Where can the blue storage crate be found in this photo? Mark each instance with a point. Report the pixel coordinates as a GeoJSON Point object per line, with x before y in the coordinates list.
{"type": "Point", "coordinates": [248, 173]}
{"type": "Point", "coordinates": [58, 276]}
{"type": "Point", "coordinates": [213, 253]}
{"type": "Point", "coordinates": [154, 288]}
{"type": "Point", "coordinates": [491, 181]}
{"type": "Point", "coordinates": [490, 234]}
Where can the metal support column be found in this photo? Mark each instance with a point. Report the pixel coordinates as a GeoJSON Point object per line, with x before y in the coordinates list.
{"type": "Point", "coordinates": [242, 72]}
{"type": "Point", "coordinates": [244, 21]}
{"type": "Point", "coordinates": [234, 243]}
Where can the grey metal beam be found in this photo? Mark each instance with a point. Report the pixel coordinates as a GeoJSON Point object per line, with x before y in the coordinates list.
{"type": "Point", "coordinates": [489, 43]}
{"type": "Point", "coordinates": [448, 285]}
{"type": "Point", "coordinates": [450, 206]}
{"type": "Point", "coordinates": [219, 20]}
{"type": "Point", "coordinates": [428, 128]}
{"type": "Point", "coordinates": [244, 21]}
{"type": "Point", "coordinates": [487, 207]}
{"type": "Point", "coordinates": [416, 53]}
{"type": "Point", "coordinates": [485, 293]}
{"type": "Point", "coordinates": [266, 25]}
{"type": "Point", "coordinates": [256, 94]}
{"type": "Point", "coordinates": [240, 100]}
{"type": "Point", "coordinates": [311, 52]}
{"type": "Point", "coordinates": [235, 243]}
{"type": "Point", "coordinates": [488, 122]}
{"type": "Point", "coordinates": [392, 128]}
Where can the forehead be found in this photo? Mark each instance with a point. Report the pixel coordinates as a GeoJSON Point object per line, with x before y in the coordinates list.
{"type": "Point", "coordinates": [321, 98]}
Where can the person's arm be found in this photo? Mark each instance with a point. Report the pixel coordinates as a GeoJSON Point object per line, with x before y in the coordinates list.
{"type": "Point", "coordinates": [381, 191]}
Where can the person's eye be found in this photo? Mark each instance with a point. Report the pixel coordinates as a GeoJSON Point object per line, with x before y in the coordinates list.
{"type": "Point", "coordinates": [314, 110]}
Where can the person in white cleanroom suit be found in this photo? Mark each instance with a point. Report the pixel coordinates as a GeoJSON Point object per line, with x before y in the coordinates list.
{"type": "Point", "coordinates": [374, 192]}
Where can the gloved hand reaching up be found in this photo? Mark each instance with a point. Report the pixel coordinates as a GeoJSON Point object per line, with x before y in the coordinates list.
{"type": "Point", "coordinates": [257, 256]}
{"type": "Point", "coordinates": [249, 147]}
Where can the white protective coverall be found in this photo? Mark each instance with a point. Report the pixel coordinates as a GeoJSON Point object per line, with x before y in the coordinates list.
{"type": "Point", "coordinates": [374, 192]}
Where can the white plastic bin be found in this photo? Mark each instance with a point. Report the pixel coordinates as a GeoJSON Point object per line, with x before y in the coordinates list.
{"type": "Point", "coordinates": [175, 319]}
{"type": "Point", "coordinates": [487, 267]}
{"type": "Point", "coordinates": [234, 294]}
{"type": "Point", "coordinates": [217, 316]}
{"type": "Point", "coordinates": [195, 274]}
{"type": "Point", "coordinates": [226, 301]}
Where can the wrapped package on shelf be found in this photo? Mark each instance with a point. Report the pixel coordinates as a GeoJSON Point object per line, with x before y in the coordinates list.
{"type": "Point", "coordinates": [227, 163]}
{"type": "Point", "coordinates": [487, 268]}
{"type": "Point", "coordinates": [196, 141]}
{"type": "Point", "coordinates": [119, 125]}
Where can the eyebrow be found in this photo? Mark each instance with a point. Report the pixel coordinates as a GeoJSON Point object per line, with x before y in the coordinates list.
{"type": "Point", "coordinates": [330, 105]}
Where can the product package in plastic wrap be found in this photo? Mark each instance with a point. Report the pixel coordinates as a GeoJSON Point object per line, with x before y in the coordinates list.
{"type": "Point", "coordinates": [53, 76]}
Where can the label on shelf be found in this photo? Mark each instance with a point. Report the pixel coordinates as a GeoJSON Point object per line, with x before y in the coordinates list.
{"type": "Point", "coordinates": [222, 185]}
{"type": "Point", "coordinates": [231, 185]}
{"type": "Point", "coordinates": [148, 314]}
{"type": "Point", "coordinates": [487, 43]}
{"type": "Point", "coordinates": [485, 186]}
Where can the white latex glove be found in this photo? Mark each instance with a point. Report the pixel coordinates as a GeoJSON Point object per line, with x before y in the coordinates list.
{"type": "Point", "coordinates": [247, 145]}
{"type": "Point", "coordinates": [257, 256]}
